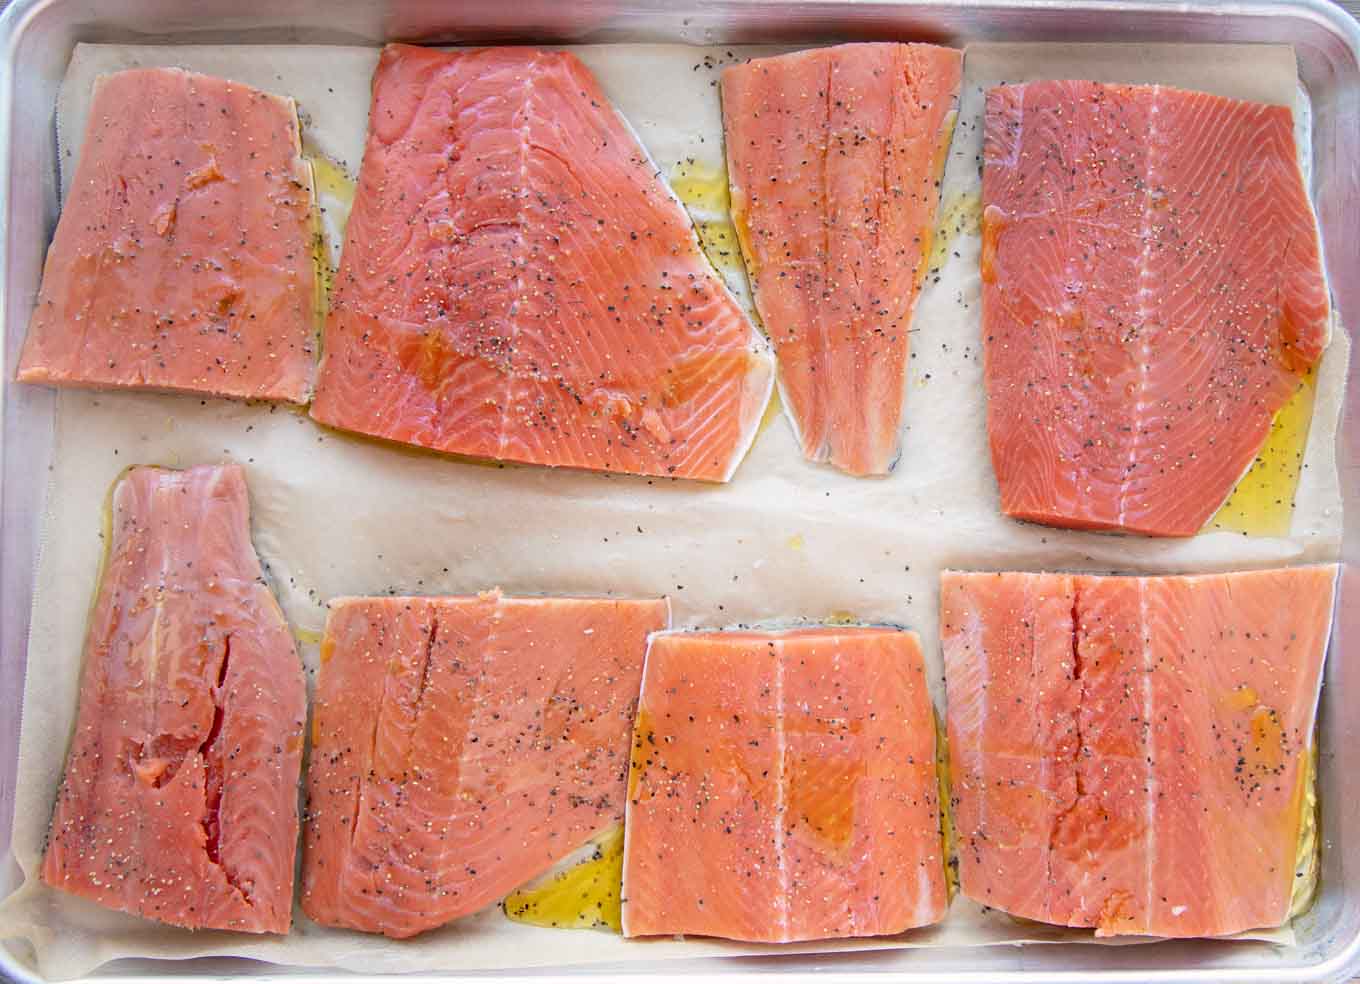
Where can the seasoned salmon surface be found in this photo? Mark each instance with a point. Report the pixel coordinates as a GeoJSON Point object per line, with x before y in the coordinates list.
{"type": "Point", "coordinates": [518, 282]}
{"type": "Point", "coordinates": [1128, 753]}
{"type": "Point", "coordinates": [461, 747]}
{"type": "Point", "coordinates": [835, 157]}
{"type": "Point", "coordinates": [183, 259]}
{"type": "Point", "coordinates": [1153, 293]}
{"type": "Point", "coordinates": [783, 788]}
{"type": "Point", "coordinates": [179, 801]}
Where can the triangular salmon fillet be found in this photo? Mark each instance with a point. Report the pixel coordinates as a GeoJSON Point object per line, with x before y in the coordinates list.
{"type": "Point", "coordinates": [1152, 294]}
{"type": "Point", "coordinates": [783, 788]}
{"type": "Point", "coordinates": [461, 747]}
{"type": "Point", "coordinates": [179, 801]}
{"type": "Point", "coordinates": [834, 157]}
{"type": "Point", "coordinates": [1129, 753]}
{"type": "Point", "coordinates": [518, 282]}
{"type": "Point", "coordinates": [183, 259]}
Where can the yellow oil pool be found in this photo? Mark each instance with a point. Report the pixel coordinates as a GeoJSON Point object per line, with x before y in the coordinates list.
{"type": "Point", "coordinates": [1262, 504]}
{"type": "Point", "coordinates": [334, 191]}
{"type": "Point", "coordinates": [333, 185]}
{"type": "Point", "coordinates": [584, 895]}
{"type": "Point", "coordinates": [703, 190]}
{"type": "Point", "coordinates": [960, 215]}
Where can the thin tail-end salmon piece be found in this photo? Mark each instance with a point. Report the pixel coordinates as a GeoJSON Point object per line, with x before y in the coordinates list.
{"type": "Point", "coordinates": [183, 259]}
{"type": "Point", "coordinates": [179, 801]}
{"type": "Point", "coordinates": [462, 747]}
{"type": "Point", "coordinates": [1129, 753]}
{"type": "Point", "coordinates": [783, 788]}
{"type": "Point", "coordinates": [518, 283]}
{"type": "Point", "coordinates": [1152, 294]}
{"type": "Point", "coordinates": [834, 158]}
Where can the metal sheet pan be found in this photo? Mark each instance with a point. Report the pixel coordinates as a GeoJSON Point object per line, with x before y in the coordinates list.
{"type": "Point", "coordinates": [37, 38]}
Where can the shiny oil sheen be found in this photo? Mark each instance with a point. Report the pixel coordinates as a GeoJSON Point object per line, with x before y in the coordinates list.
{"type": "Point", "coordinates": [1262, 504]}
{"type": "Point", "coordinates": [584, 894]}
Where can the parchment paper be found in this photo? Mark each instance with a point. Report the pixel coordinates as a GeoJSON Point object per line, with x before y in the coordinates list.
{"type": "Point", "coordinates": [335, 514]}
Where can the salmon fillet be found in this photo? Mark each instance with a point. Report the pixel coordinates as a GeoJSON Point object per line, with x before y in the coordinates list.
{"type": "Point", "coordinates": [518, 283]}
{"type": "Point", "coordinates": [1129, 753]}
{"type": "Point", "coordinates": [461, 747]}
{"type": "Point", "coordinates": [183, 259]}
{"type": "Point", "coordinates": [783, 788]}
{"type": "Point", "coordinates": [834, 158]}
{"type": "Point", "coordinates": [179, 801]}
{"type": "Point", "coordinates": [1152, 294]}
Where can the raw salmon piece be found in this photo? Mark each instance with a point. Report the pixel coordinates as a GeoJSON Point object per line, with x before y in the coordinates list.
{"type": "Point", "coordinates": [834, 158]}
{"type": "Point", "coordinates": [1152, 294]}
{"type": "Point", "coordinates": [1129, 753]}
{"type": "Point", "coordinates": [179, 801]}
{"type": "Point", "coordinates": [518, 283]}
{"type": "Point", "coordinates": [183, 259]}
{"type": "Point", "coordinates": [783, 788]}
{"type": "Point", "coordinates": [461, 747]}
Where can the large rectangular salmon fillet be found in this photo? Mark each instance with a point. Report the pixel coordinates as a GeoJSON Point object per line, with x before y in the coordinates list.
{"type": "Point", "coordinates": [1152, 294]}
{"type": "Point", "coordinates": [783, 788]}
{"type": "Point", "coordinates": [179, 801]}
{"type": "Point", "coordinates": [834, 156]}
{"type": "Point", "coordinates": [183, 259]}
{"type": "Point", "coordinates": [461, 747]}
{"type": "Point", "coordinates": [1128, 753]}
{"type": "Point", "coordinates": [518, 283]}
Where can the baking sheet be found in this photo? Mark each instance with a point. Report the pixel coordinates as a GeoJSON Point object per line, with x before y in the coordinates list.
{"type": "Point", "coordinates": [335, 514]}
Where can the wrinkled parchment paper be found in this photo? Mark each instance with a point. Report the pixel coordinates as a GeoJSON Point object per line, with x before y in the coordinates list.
{"type": "Point", "coordinates": [336, 515]}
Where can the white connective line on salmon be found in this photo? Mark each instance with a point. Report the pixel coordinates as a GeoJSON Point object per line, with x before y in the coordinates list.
{"type": "Point", "coordinates": [526, 90]}
{"type": "Point", "coordinates": [1144, 292]}
{"type": "Point", "coordinates": [1150, 845]}
{"type": "Point", "coordinates": [780, 806]}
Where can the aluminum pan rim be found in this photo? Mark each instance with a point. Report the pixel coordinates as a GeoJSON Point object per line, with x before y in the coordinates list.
{"type": "Point", "coordinates": [1337, 965]}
